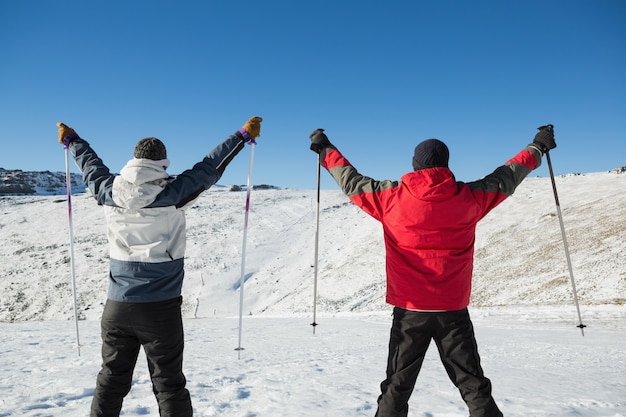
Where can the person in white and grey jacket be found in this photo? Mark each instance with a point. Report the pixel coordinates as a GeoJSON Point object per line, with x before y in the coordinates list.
{"type": "Point", "coordinates": [144, 210]}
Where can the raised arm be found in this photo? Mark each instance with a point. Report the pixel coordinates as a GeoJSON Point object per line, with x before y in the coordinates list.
{"type": "Point", "coordinates": [362, 190]}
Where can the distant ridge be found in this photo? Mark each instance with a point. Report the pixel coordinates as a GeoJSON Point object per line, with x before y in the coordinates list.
{"type": "Point", "coordinates": [18, 182]}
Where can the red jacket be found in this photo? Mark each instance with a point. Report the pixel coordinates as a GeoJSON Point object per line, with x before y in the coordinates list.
{"type": "Point", "coordinates": [429, 222]}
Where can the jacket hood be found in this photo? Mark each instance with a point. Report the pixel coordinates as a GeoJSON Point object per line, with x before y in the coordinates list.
{"type": "Point", "coordinates": [431, 184]}
{"type": "Point", "coordinates": [140, 171]}
{"type": "Point", "coordinates": [139, 182]}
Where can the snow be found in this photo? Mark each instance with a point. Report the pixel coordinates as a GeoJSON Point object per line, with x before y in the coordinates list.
{"type": "Point", "coordinates": [522, 306]}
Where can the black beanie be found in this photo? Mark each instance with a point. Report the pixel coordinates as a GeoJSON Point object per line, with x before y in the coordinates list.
{"type": "Point", "coordinates": [150, 148]}
{"type": "Point", "coordinates": [430, 153]}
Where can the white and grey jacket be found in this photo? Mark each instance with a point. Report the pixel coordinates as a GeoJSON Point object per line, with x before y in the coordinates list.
{"type": "Point", "coordinates": [144, 211]}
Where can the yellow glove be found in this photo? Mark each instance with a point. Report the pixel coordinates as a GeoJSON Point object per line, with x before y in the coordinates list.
{"type": "Point", "coordinates": [253, 127]}
{"type": "Point", "coordinates": [64, 132]}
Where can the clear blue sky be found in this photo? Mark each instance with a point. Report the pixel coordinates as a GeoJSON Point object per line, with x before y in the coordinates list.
{"type": "Point", "coordinates": [379, 76]}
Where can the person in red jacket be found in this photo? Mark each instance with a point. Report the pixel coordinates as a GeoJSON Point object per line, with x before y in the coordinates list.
{"type": "Point", "coordinates": [429, 223]}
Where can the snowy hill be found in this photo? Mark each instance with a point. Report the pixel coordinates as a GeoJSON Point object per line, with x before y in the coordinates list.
{"type": "Point", "coordinates": [522, 307]}
{"type": "Point", "coordinates": [520, 258]}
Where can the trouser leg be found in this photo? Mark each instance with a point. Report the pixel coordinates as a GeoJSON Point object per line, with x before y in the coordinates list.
{"type": "Point", "coordinates": [119, 356]}
{"type": "Point", "coordinates": [408, 343]}
{"type": "Point", "coordinates": [160, 329]}
{"type": "Point", "coordinates": [458, 350]}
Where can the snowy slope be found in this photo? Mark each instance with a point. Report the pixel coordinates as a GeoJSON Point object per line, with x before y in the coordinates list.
{"type": "Point", "coordinates": [520, 256]}
{"type": "Point", "coordinates": [539, 363]}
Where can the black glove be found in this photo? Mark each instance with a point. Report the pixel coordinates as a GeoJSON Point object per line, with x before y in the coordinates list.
{"type": "Point", "coordinates": [319, 140]}
{"type": "Point", "coordinates": [545, 138]}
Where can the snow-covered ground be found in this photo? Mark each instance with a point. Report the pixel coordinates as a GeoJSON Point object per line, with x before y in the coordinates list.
{"type": "Point", "coordinates": [538, 362]}
{"type": "Point", "coordinates": [522, 307]}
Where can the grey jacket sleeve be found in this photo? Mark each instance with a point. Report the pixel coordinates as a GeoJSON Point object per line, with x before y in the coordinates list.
{"type": "Point", "coordinates": [96, 175]}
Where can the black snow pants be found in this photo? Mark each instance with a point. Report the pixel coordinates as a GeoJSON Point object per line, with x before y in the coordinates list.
{"type": "Point", "coordinates": [453, 333]}
{"type": "Point", "coordinates": [158, 328]}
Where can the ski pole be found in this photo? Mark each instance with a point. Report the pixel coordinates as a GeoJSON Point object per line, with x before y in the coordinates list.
{"type": "Point", "coordinates": [68, 187]}
{"type": "Point", "coordinates": [569, 261]}
{"type": "Point", "coordinates": [243, 250]}
{"type": "Point", "coordinates": [317, 235]}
